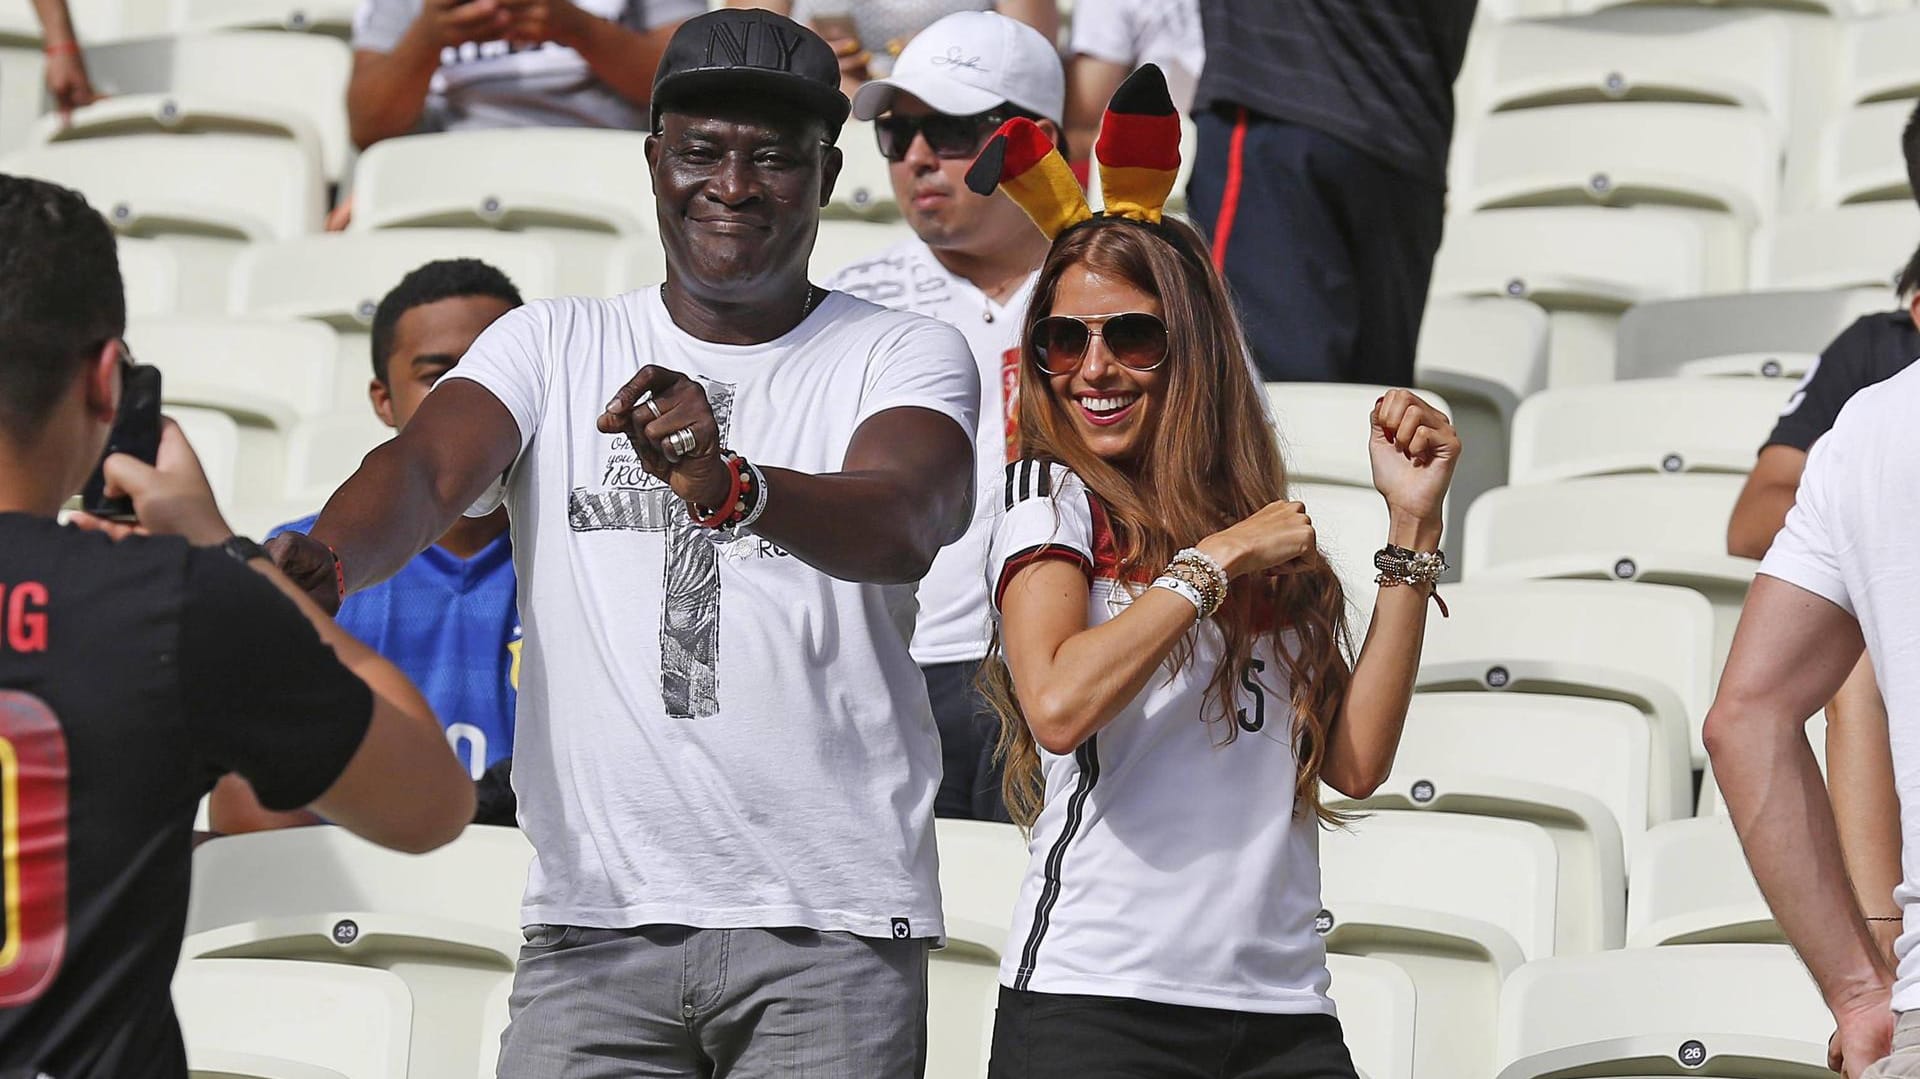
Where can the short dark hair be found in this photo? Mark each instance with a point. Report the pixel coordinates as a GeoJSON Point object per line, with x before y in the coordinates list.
{"type": "Point", "coordinates": [1910, 147]}
{"type": "Point", "coordinates": [61, 299]}
{"type": "Point", "coordinates": [1909, 281]}
{"type": "Point", "coordinates": [445, 279]}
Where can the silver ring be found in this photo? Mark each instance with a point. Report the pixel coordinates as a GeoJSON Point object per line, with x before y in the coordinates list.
{"type": "Point", "coordinates": [682, 441]}
{"type": "Point", "coordinates": [652, 406]}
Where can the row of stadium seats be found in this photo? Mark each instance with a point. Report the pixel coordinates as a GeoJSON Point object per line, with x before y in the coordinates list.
{"type": "Point", "coordinates": [1448, 955]}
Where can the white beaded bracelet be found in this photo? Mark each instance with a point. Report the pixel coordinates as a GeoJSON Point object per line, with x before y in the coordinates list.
{"type": "Point", "coordinates": [1184, 590]}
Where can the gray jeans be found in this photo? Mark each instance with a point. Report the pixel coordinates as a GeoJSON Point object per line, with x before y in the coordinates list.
{"type": "Point", "coordinates": [1904, 1061]}
{"type": "Point", "coordinates": [666, 1000]}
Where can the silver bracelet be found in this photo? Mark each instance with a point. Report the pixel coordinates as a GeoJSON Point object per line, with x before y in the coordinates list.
{"type": "Point", "coordinates": [760, 502]}
{"type": "Point", "coordinates": [1184, 590]}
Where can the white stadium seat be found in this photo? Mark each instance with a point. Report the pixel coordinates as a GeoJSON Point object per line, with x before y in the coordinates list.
{"type": "Point", "coordinates": [1584, 265]}
{"type": "Point", "coordinates": [1664, 426]}
{"type": "Point", "coordinates": [1484, 354]}
{"type": "Point", "coordinates": [260, 370]}
{"type": "Point", "coordinates": [1860, 158]}
{"type": "Point", "coordinates": [1876, 61]}
{"type": "Point", "coordinates": [22, 88]}
{"type": "Point", "coordinates": [865, 187]}
{"type": "Point", "coordinates": [339, 279]}
{"type": "Point", "coordinates": [1864, 246]}
{"type": "Point", "coordinates": [1378, 1011]}
{"type": "Point", "coordinates": [1458, 902]}
{"type": "Point", "coordinates": [219, 185]}
{"type": "Point", "coordinates": [982, 864]}
{"type": "Point", "coordinates": [1656, 529]}
{"type": "Point", "coordinates": [151, 277]}
{"type": "Point", "coordinates": [1349, 524]}
{"type": "Point", "coordinates": [1649, 645]}
{"type": "Point", "coordinates": [1745, 1010]}
{"type": "Point", "coordinates": [447, 922]}
{"type": "Point", "coordinates": [323, 452]}
{"type": "Point", "coordinates": [254, 82]}
{"type": "Point", "coordinates": [580, 188]}
{"type": "Point", "coordinates": [331, 17]}
{"type": "Point", "coordinates": [1324, 429]}
{"type": "Point", "coordinates": [353, 1021]}
{"type": "Point", "coordinates": [1660, 339]}
{"type": "Point", "coordinates": [215, 439]}
{"type": "Point", "coordinates": [635, 262]}
{"type": "Point", "coordinates": [512, 179]}
{"type": "Point", "coordinates": [842, 243]}
{"type": "Point", "coordinates": [1743, 64]}
{"type": "Point", "coordinates": [93, 20]}
{"type": "Point", "coordinates": [1637, 153]}
{"type": "Point", "coordinates": [222, 1064]}
{"type": "Point", "coordinates": [1575, 766]}
{"type": "Point", "coordinates": [494, 1016]}
{"type": "Point", "coordinates": [1691, 885]}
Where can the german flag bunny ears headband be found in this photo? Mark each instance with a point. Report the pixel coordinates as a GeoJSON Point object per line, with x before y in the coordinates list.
{"type": "Point", "coordinates": [1138, 152]}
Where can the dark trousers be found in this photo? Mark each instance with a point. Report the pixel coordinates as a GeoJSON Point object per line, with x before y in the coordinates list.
{"type": "Point", "coordinates": [1328, 251]}
{"type": "Point", "coordinates": [1064, 1036]}
{"type": "Point", "coordinates": [970, 782]}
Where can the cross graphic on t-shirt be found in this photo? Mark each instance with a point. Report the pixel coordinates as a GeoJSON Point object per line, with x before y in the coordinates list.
{"type": "Point", "coordinates": [690, 582]}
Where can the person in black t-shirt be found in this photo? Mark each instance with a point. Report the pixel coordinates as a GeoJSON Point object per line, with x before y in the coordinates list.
{"type": "Point", "coordinates": [138, 664]}
{"type": "Point", "coordinates": [1321, 174]}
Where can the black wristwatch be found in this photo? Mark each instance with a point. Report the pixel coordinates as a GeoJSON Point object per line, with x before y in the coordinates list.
{"type": "Point", "coordinates": [243, 550]}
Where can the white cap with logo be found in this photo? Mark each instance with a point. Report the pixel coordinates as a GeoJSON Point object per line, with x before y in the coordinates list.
{"type": "Point", "coordinates": [970, 62]}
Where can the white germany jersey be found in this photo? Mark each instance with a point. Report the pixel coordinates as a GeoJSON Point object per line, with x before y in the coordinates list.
{"type": "Point", "coordinates": [1168, 864]}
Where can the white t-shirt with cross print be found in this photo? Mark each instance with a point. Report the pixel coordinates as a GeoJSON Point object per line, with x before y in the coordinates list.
{"type": "Point", "coordinates": [713, 733]}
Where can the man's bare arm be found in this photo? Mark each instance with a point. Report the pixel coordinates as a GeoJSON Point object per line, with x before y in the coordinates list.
{"type": "Point", "coordinates": [1762, 508]}
{"type": "Point", "coordinates": [1793, 649]}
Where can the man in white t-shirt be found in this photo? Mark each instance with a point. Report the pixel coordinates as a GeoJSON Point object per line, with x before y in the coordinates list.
{"type": "Point", "coordinates": [1113, 37]}
{"type": "Point", "coordinates": [452, 65]}
{"type": "Point", "coordinates": [722, 491]}
{"type": "Point", "coordinates": [972, 266]}
{"type": "Point", "coordinates": [1844, 570]}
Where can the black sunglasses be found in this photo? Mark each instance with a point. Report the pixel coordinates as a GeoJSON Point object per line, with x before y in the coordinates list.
{"type": "Point", "coordinates": [950, 136]}
{"type": "Point", "coordinates": [1135, 339]}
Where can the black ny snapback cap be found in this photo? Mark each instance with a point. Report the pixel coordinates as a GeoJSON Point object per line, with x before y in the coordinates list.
{"type": "Point", "coordinates": [749, 48]}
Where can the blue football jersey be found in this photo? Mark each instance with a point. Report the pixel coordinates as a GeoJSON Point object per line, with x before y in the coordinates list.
{"type": "Point", "coordinates": [453, 626]}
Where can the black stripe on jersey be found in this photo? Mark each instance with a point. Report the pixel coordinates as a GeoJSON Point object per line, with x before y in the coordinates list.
{"type": "Point", "coordinates": [1029, 478]}
{"type": "Point", "coordinates": [1027, 556]}
{"type": "Point", "coordinates": [1088, 758]}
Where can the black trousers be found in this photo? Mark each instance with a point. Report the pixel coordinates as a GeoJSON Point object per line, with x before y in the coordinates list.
{"type": "Point", "coordinates": [1065, 1036]}
{"type": "Point", "coordinates": [1327, 250]}
{"type": "Point", "coordinates": [970, 782]}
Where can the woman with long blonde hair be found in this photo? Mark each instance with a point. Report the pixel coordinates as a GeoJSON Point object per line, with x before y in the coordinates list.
{"type": "Point", "coordinates": [1171, 663]}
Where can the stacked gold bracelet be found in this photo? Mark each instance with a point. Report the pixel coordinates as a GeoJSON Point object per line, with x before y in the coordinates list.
{"type": "Point", "coordinates": [1201, 580]}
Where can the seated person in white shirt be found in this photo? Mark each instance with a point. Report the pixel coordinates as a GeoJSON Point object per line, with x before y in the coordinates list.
{"type": "Point", "coordinates": [971, 265]}
{"type": "Point", "coordinates": [1112, 37]}
{"type": "Point", "coordinates": [448, 65]}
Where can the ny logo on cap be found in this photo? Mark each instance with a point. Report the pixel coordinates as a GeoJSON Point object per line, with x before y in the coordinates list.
{"type": "Point", "coordinates": [771, 48]}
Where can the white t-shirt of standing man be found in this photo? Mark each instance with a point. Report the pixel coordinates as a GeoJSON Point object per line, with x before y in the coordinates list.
{"type": "Point", "coordinates": [712, 733]}
{"type": "Point", "coordinates": [955, 624]}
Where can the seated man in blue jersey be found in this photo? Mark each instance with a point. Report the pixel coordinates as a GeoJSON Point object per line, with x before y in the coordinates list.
{"type": "Point", "coordinates": [448, 619]}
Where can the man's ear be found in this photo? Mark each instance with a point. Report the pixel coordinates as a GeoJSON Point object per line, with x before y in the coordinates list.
{"type": "Point", "coordinates": [103, 383]}
{"type": "Point", "coordinates": [381, 395]}
{"type": "Point", "coordinates": [652, 150]}
{"type": "Point", "coordinates": [831, 159]}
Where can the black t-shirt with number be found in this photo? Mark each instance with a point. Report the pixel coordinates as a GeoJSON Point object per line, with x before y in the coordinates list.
{"type": "Point", "coordinates": [1875, 348]}
{"type": "Point", "coordinates": [132, 675]}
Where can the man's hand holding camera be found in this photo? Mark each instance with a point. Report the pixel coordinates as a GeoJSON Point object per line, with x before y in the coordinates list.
{"type": "Point", "coordinates": [171, 497]}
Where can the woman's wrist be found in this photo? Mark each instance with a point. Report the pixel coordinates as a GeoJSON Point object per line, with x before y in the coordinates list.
{"type": "Point", "coordinates": [1225, 553]}
{"type": "Point", "coordinates": [1413, 532]}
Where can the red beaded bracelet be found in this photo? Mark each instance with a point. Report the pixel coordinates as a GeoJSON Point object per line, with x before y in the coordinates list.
{"type": "Point", "coordinates": [733, 508]}
{"type": "Point", "coordinates": [339, 572]}
{"type": "Point", "coordinates": [61, 48]}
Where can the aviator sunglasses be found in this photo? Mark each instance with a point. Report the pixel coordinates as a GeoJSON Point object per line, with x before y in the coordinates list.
{"type": "Point", "coordinates": [949, 136]}
{"type": "Point", "coordinates": [1135, 340]}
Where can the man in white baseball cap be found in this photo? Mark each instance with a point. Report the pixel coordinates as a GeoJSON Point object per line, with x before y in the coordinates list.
{"type": "Point", "coordinates": [971, 264]}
